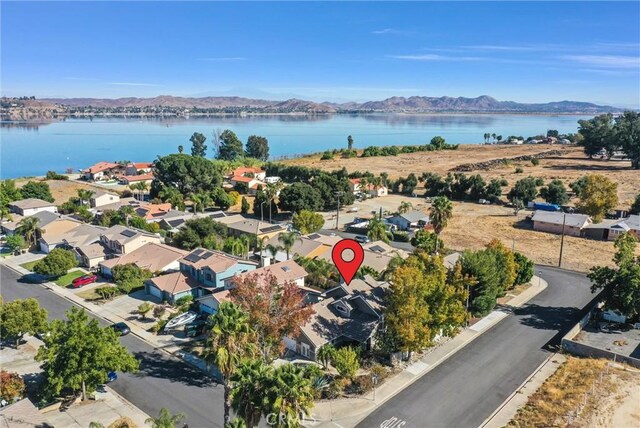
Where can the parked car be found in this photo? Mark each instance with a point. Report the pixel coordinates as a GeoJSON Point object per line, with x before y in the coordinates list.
{"type": "Point", "coordinates": [354, 209]}
{"type": "Point", "coordinates": [121, 328]}
{"type": "Point", "coordinates": [83, 280]}
{"type": "Point", "coordinates": [484, 202]}
{"type": "Point", "coordinates": [362, 239]}
{"type": "Point", "coordinates": [112, 376]}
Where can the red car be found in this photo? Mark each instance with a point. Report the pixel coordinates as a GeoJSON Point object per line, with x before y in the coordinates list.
{"type": "Point", "coordinates": [83, 280]}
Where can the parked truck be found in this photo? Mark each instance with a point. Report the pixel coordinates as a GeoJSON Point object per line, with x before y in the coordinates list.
{"type": "Point", "coordinates": [544, 206]}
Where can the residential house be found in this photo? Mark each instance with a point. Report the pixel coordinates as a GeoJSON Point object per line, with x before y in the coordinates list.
{"type": "Point", "coordinates": [131, 179]}
{"type": "Point", "coordinates": [22, 414]}
{"type": "Point", "coordinates": [201, 272]}
{"type": "Point", "coordinates": [122, 240]}
{"type": "Point", "coordinates": [344, 315]}
{"type": "Point", "coordinates": [249, 171]}
{"type": "Point", "coordinates": [283, 272]}
{"type": "Point", "coordinates": [116, 205]}
{"type": "Point", "coordinates": [153, 212]}
{"type": "Point", "coordinates": [255, 227]}
{"type": "Point", "coordinates": [174, 219]}
{"type": "Point", "coordinates": [450, 260]}
{"type": "Point", "coordinates": [102, 198]}
{"type": "Point", "coordinates": [103, 171]}
{"type": "Point", "coordinates": [305, 246]}
{"type": "Point", "coordinates": [210, 303]}
{"type": "Point", "coordinates": [552, 222]}
{"type": "Point", "coordinates": [370, 189]}
{"type": "Point", "coordinates": [31, 206]}
{"type": "Point", "coordinates": [377, 255]}
{"type": "Point", "coordinates": [408, 220]}
{"type": "Point", "coordinates": [44, 218]}
{"type": "Point", "coordinates": [630, 224]}
{"type": "Point", "coordinates": [152, 256]}
{"type": "Point", "coordinates": [55, 233]}
{"type": "Point", "coordinates": [138, 168]}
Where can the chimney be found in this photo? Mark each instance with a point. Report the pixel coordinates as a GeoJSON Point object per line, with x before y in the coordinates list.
{"type": "Point", "coordinates": [265, 261]}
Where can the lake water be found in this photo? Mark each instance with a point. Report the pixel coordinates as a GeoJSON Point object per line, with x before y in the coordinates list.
{"type": "Point", "coordinates": [33, 149]}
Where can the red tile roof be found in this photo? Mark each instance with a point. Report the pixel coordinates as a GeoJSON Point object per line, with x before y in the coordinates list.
{"type": "Point", "coordinates": [101, 166]}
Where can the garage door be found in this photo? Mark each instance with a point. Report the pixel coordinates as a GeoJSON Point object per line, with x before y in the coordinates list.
{"type": "Point", "coordinates": [154, 291]}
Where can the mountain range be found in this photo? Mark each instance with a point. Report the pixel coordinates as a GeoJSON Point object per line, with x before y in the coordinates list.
{"type": "Point", "coordinates": [414, 104]}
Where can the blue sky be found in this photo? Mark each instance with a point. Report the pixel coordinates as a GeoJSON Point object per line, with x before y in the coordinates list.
{"type": "Point", "coordinates": [527, 52]}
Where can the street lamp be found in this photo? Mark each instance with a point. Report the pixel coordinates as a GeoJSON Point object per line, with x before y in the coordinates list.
{"type": "Point", "coordinates": [374, 380]}
{"type": "Point", "coordinates": [262, 211]}
{"type": "Point", "coordinates": [539, 279]}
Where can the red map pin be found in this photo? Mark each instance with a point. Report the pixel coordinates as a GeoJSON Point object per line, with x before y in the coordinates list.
{"type": "Point", "coordinates": [347, 268]}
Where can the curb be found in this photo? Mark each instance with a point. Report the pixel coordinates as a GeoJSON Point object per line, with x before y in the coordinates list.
{"type": "Point", "coordinates": [543, 285]}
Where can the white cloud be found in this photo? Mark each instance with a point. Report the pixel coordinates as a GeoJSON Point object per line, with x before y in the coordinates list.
{"type": "Point", "coordinates": [605, 61]}
{"type": "Point", "coordinates": [391, 31]}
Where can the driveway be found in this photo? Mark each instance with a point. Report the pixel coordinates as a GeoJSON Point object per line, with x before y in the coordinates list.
{"type": "Point", "coordinates": [464, 390]}
{"type": "Point", "coordinates": [162, 381]}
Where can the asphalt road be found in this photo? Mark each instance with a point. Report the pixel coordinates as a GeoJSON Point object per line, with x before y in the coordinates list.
{"type": "Point", "coordinates": [162, 381]}
{"type": "Point", "coordinates": [465, 389]}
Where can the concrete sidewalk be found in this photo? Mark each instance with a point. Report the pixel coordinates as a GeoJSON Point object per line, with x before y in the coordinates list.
{"type": "Point", "coordinates": [344, 413]}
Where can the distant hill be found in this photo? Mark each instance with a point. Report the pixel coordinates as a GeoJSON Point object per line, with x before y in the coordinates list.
{"type": "Point", "coordinates": [167, 104]}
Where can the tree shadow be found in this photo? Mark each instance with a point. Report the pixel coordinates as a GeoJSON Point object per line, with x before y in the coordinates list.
{"type": "Point", "coordinates": [554, 318]}
{"type": "Point", "coordinates": [155, 364]}
{"type": "Point", "coordinates": [582, 167]}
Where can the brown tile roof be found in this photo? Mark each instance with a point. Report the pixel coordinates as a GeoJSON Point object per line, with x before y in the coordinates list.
{"type": "Point", "coordinates": [286, 271]}
{"type": "Point", "coordinates": [242, 178]}
{"type": "Point", "coordinates": [175, 282]}
{"type": "Point", "coordinates": [101, 166]}
{"type": "Point", "coordinates": [94, 251]}
{"type": "Point", "coordinates": [149, 211]}
{"type": "Point", "coordinates": [247, 170]}
{"type": "Point", "coordinates": [136, 178]}
{"type": "Point", "coordinates": [151, 256]}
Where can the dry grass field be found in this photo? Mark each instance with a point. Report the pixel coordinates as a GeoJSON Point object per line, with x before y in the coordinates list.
{"type": "Point", "coordinates": [474, 225]}
{"type": "Point", "coordinates": [612, 402]}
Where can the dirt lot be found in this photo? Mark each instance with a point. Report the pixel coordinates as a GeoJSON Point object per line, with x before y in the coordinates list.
{"type": "Point", "coordinates": [62, 190]}
{"type": "Point", "coordinates": [612, 397]}
{"type": "Point", "coordinates": [568, 167]}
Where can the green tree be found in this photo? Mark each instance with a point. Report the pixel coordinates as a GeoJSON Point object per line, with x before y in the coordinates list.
{"type": "Point", "coordinates": [325, 354]}
{"type": "Point", "coordinates": [21, 317]}
{"type": "Point", "coordinates": [494, 189]}
{"type": "Point", "coordinates": [377, 231]}
{"type": "Point", "coordinates": [425, 240]}
{"type": "Point", "coordinates": [250, 382]}
{"type": "Point", "coordinates": [230, 146]}
{"type": "Point", "coordinates": [198, 147]}
{"type": "Point", "coordinates": [289, 396]}
{"type": "Point", "coordinates": [36, 189]}
{"type": "Point", "coordinates": [555, 193]}
{"type": "Point", "coordinates": [345, 361]}
{"type": "Point", "coordinates": [56, 263]}
{"type": "Point", "coordinates": [9, 192]}
{"type": "Point", "coordinates": [257, 147]}
{"type": "Point", "coordinates": [578, 185]}
{"type": "Point", "coordinates": [438, 143]}
{"type": "Point", "coordinates": [230, 340]}
{"type": "Point", "coordinates": [599, 196]}
{"type": "Point", "coordinates": [524, 270]}
{"type": "Point", "coordinates": [85, 196]}
{"type": "Point", "coordinates": [621, 285]}
{"type": "Point", "coordinates": [78, 354]}
{"type": "Point", "coordinates": [144, 308]}
{"type": "Point", "coordinates": [187, 174]}
{"type": "Point", "coordinates": [440, 213]}
{"type": "Point", "coordinates": [298, 197]}
{"type": "Point", "coordinates": [244, 206]}
{"type": "Point", "coordinates": [505, 262]}
{"type": "Point", "coordinates": [598, 134]}
{"type": "Point", "coordinates": [288, 240]}
{"type": "Point", "coordinates": [349, 142]}
{"type": "Point", "coordinates": [30, 230]}
{"type": "Point", "coordinates": [15, 243]}
{"type": "Point", "coordinates": [165, 419]}
{"type": "Point", "coordinates": [524, 190]}
{"type": "Point", "coordinates": [405, 207]}
{"type": "Point", "coordinates": [635, 206]}
{"type": "Point", "coordinates": [307, 222]}
{"type": "Point", "coordinates": [129, 277]}
{"type": "Point", "coordinates": [482, 266]}
{"type": "Point", "coordinates": [180, 148]}
{"type": "Point", "coordinates": [627, 136]}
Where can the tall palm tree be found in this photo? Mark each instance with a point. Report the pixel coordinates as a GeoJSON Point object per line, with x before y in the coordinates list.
{"type": "Point", "coordinates": [127, 211]}
{"type": "Point", "coordinates": [230, 340]}
{"type": "Point", "coordinates": [440, 213]}
{"type": "Point", "coordinates": [165, 419]}
{"type": "Point", "coordinates": [29, 229]}
{"type": "Point", "coordinates": [246, 245]}
{"type": "Point", "coordinates": [249, 390]}
{"type": "Point", "coordinates": [143, 186]}
{"type": "Point", "coordinates": [272, 250]}
{"type": "Point", "coordinates": [405, 207]}
{"type": "Point", "coordinates": [271, 191]}
{"type": "Point", "coordinates": [288, 240]}
{"type": "Point", "coordinates": [363, 186]}
{"type": "Point", "coordinates": [289, 395]}
{"type": "Point", "coordinates": [85, 196]}
{"type": "Point", "coordinates": [377, 231]}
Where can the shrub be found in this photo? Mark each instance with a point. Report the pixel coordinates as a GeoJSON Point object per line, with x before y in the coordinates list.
{"type": "Point", "coordinates": [335, 389]}
{"type": "Point", "coordinates": [56, 263]}
{"type": "Point", "coordinates": [158, 326]}
{"type": "Point", "coordinates": [363, 384]}
{"type": "Point", "coordinates": [327, 156]}
{"type": "Point", "coordinates": [159, 311]}
{"type": "Point", "coordinates": [184, 300]}
{"type": "Point", "coordinates": [401, 236]}
{"type": "Point", "coordinates": [519, 170]}
{"type": "Point", "coordinates": [345, 360]}
{"type": "Point", "coordinates": [535, 161]}
{"type": "Point", "coordinates": [52, 175]}
{"type": "Point", "coordinates": [107, 292]}
{"type": "Point", "coordinates": [524, 269]}
{"type": "Point", "coordinates": [12, 386]}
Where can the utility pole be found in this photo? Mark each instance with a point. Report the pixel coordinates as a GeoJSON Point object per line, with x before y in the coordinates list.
{"type": "Point", "coordinates": [338, 194]}
{"type": "Point", "coordinates": [564, 221]}
{"type": "Point", "coordinates": [262, 211]}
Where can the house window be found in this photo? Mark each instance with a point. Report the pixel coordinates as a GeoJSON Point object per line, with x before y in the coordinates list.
{"type": "Point", "coordinates": [305, 350]}
{"type": "Point", "coordinates": [208, 277]}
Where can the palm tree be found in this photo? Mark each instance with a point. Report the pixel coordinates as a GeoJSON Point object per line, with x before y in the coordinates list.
{"type": "Point", "coordinates": [165, 419]}
{"type": "Point", "coordinates": [288, 240]}
{"type": "Point", "coordinates": [249, 390]}
{"type": "Point", "coordinates": [271, 191]}
{"type": "Point", "coordinates": [127, 211]}
{"type": "Point", "coordinates": [325, 354]}
{"type": "Point", "coordinates": [143, 186]}
{"type": "Point", "coordinates": [273, 250]}
{"type": "Point", "coordinates": [230, 340]}
{"type": "Point", "coordinates": [289, 395]}
{"type": "Point", "coordinates": [5, 214]}
{"type": "Point", "coordinates": [493, 135]}
{"type": "Point", "coordinates": [363, 186]}
{"type": "Point", "coordinates": [201, 200]}
{"type": "Point", "coordinates": [85, 195]}
{"type": "Point", "coordinates": [439, 215]}
{"type": "Point", "coordinates": [377, 231]}
{"type": "Point", "coordinates": [29, 229]}
{"type": "Point", "coordinates": [246, 245]}
{"type": "Point", "coordinates": [405, 207]}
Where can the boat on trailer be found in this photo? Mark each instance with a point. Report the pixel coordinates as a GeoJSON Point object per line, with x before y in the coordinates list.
{"type": "Point", "coordinates": [180, 320]}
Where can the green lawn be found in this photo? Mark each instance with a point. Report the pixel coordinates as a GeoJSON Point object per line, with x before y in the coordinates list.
{"type": "Point", "coordinates": [29, 265]}
{"type": "Point", "coordinates": [66, 279]}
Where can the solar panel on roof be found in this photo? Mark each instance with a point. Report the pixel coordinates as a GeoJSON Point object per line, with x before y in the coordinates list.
{"type": "Point", "coordinates": [286, 268]}
{"type": "Point", "coordinates": [377, 248]}
{"type": "Point", "coordinates": [198, 252]}
{"type": "Point", "coordinates": [217, 215]}
{"type": "Point", "coordinates": [128, 233]}
{"type": "Point", "coordinates": [207, 254]}
{"type": "Point", "coordinates": [191, 258]}
{"type": "Point", "coordinates": [270, 229]}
